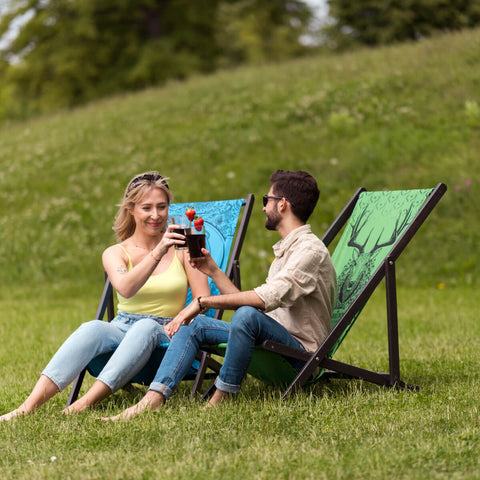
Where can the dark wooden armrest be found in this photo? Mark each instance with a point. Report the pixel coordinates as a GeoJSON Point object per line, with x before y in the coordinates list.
{"type": "Point", "coordinates": [281, 349]}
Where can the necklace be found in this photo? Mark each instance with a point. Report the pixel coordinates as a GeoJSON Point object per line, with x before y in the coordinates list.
{"type": "Point", "coordinates": [144, 248]}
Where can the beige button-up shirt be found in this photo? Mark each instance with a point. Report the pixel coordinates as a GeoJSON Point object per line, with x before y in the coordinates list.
{"type": "Point", "coordinates": [301, 288]}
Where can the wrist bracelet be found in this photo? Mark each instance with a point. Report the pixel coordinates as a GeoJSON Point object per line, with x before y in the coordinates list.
{"type": "Point", "coordinates": [154, 257]}
{"type": "Point", "coordinates": [202, 308]}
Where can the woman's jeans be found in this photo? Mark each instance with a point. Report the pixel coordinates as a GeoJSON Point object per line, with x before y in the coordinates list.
{"type": "Point", "coordinates": [248, 327]}
{"type": "Point", "coordinates": [132, 337]}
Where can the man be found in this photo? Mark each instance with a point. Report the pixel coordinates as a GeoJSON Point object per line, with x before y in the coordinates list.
{"type": "Point", "coordinates": [293, 306]}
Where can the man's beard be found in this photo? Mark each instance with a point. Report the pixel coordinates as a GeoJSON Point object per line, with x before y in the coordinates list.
{"type": "Point", "coordinates": [272, 221]}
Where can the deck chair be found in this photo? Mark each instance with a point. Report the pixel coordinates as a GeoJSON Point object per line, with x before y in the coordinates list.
{"type": "Point", "coordinates": [380, 225]}
{"type": "Point", "coordinates": [226, 223]}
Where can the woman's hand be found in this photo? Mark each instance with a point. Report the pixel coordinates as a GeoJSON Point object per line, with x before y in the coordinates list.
{"type": "Point", "coordinates": [169, 239]}
{"type": "Point", "coordinates": [183, 317]}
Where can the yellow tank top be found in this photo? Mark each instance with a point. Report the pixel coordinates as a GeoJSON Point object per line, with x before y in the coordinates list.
{"type": "Point", "coordinates": [163, 295]}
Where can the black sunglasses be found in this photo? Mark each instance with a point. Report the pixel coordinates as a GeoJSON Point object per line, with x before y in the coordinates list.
{"type": "Point", "coordinates": [147, 177]}
{"type": "Point", "coordinates": [266, 197]}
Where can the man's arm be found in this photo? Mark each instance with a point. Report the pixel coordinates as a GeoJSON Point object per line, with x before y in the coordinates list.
{"type": "Point", "coordinates": [229, 301]}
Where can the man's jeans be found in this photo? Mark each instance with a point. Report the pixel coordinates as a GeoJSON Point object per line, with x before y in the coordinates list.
{"type": "Point", "coordinates": [249, 327]}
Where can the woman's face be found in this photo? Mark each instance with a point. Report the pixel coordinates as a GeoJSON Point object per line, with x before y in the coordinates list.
{"type": "Point", "coordinates": [151, 213]}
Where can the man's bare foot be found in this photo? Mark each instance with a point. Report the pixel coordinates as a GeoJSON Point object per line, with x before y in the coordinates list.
{"type": "Point", "coordinates": [13, 414]}
{"type": "Point", "coordinates": [150, 402]}
{"type": "Point", "coordinates": [218, 398]}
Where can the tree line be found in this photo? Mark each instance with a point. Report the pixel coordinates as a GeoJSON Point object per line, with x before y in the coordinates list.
{"type": "Point", "coordinates": [69, 52]}
{"type": "Point", "coordinates": [380, 22]}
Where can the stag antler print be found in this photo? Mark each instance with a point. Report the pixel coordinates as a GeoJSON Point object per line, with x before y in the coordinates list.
{"type": "Point", "coordinates": [400, 224]}
{"type": "Point", "coordinates": [356, 229]}
{"type": "Point", "coordinates": [363, 262]}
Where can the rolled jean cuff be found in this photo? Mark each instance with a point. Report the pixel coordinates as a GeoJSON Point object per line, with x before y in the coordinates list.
{"type": "Point", "coordinates": [160, 388]}
{"type": "Point", "coordinates": [226, 387]}
{"type": "Point", "coordinates": [61, 386]}
{"type": "Point", "coordinates": [113, 387]}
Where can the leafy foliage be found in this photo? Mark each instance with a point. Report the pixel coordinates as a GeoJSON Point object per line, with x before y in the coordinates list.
{"type": "Point", "coordinates": [377, 22]}
{"type": "Point", "coordinates": [72, 51]}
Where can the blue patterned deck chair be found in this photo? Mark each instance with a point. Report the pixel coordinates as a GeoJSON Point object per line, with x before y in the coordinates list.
{"type": "Point", "coordinates": [226, 223]}
{"type": "Point", "coordinates": [380, 225]}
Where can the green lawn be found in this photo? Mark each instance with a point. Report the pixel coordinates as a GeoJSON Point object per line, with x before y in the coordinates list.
{"type": "Point", "coordinates": [343, 429]}
{"type": "Point", "coordinates": [399, 117]}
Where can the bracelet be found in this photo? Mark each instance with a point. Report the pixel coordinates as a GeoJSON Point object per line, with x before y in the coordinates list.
{"type": "Point", "coordinates": [202, 308]}
{"type": "Point", "coordinates": [154, 257]}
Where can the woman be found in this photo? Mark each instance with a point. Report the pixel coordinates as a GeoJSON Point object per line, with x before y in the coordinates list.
{"type": "Point", "coordinates": [151, 279]}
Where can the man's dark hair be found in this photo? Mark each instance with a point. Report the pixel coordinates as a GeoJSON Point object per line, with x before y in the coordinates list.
{"type": "Point", "coordinates": [299, 188]}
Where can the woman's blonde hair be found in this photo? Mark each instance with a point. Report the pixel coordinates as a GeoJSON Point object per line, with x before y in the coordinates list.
{"type": "Point", "coordinates": [136, 190]}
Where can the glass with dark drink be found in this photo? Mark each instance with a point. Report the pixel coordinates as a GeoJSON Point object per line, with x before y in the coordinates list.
{"type": "Point", "coordinates": [196, 241]}
{"type": "Point", "coordinates": [181, 221]}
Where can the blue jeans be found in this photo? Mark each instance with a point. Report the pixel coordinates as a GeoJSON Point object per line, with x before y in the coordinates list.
{"type": "Point", "coordinates": [132, 337]}
{"type": "Point", "coordinates": [249, 327]}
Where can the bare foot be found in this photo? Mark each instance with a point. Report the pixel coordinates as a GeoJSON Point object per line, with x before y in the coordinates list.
{"type": "Point", "coordinates": [218, 398]}
{"type": "Point", "coordinates": [150, 402]}
{"type": "Point", "coordinates": [76, 407]}
{"type": "Point", "coordinates": [96, 393]}
{"type": "Point", "coordinates": [13, 414]}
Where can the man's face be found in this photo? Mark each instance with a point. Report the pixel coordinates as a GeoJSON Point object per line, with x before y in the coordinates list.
{"type": "Point", "coordinates": [273, 217]}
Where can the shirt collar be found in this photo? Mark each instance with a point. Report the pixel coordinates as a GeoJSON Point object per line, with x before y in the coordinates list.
{"type": "Point", "coordinates": [284, 244]}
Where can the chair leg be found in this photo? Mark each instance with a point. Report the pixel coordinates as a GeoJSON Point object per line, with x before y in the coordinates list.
{"type": "Point", "coordinates": [392, 322]}
{"type": "Point", "coordinates": [209, 391]}
{"type": "Point", "coordinates": [197, 383]}
{"type": "Point", "coordinates": [206, 361]}
{"type": "Point", "coordinates": [77, 384]}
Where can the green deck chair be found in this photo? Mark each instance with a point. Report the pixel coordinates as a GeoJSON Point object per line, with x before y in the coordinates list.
{"type": "Point", "coordinates": [380, 225]}
{"type": "Point", "coordinates": [226, 223]}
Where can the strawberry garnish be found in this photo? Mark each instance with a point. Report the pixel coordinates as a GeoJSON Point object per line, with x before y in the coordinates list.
{"type": "Point", "coordinates": [198, 224]}
{"type": "Point", "coordinates": [190, 213]}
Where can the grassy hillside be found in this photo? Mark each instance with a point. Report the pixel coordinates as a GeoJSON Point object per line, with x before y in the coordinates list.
{"type": "Point", "coordinates": [400, 117]}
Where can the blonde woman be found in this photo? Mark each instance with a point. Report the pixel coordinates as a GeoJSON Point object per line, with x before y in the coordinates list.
{"type": "Point", "coordinates": [151, 279]}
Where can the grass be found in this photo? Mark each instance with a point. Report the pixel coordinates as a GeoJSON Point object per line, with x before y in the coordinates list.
{"type": "Point", "coordinates": [335, 430]}
{"type": "Point", "coordinates": [397, 117]}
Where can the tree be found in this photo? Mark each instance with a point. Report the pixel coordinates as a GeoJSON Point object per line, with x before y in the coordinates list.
{"type": "Point", "coordinates": [72, 51]}
{"type": "Point", "coordinates": [377, 22]}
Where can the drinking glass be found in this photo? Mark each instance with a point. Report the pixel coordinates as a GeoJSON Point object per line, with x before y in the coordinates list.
{"type": "Point", "coordinates": [196, 241]}
{"type": "Point", "coordinates": [181, 221]}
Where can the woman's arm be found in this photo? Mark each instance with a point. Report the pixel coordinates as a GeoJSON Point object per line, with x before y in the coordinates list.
{"type": "Point", "coordinates": [125, 282]}
{"type": "Point", "coordinates": [128, 283]}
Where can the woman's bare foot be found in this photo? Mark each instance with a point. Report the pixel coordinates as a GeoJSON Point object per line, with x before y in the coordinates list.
{"type": "Point", "coordinates": [218, 398]}
{"type": "Point", "coordinates": [44, 390]}
{"type": "Point", "coordinates": [18, 412]}
{"type": "Point", "coordinates": [150, 402]}
{"type": "Point", "coordinates": [77, 407]}
{"type": "Point", "coordinates": [97, 392]}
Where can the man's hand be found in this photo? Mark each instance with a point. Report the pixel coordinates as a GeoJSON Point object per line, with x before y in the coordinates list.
{"type": "Point", "coordinates": [205, 264]}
